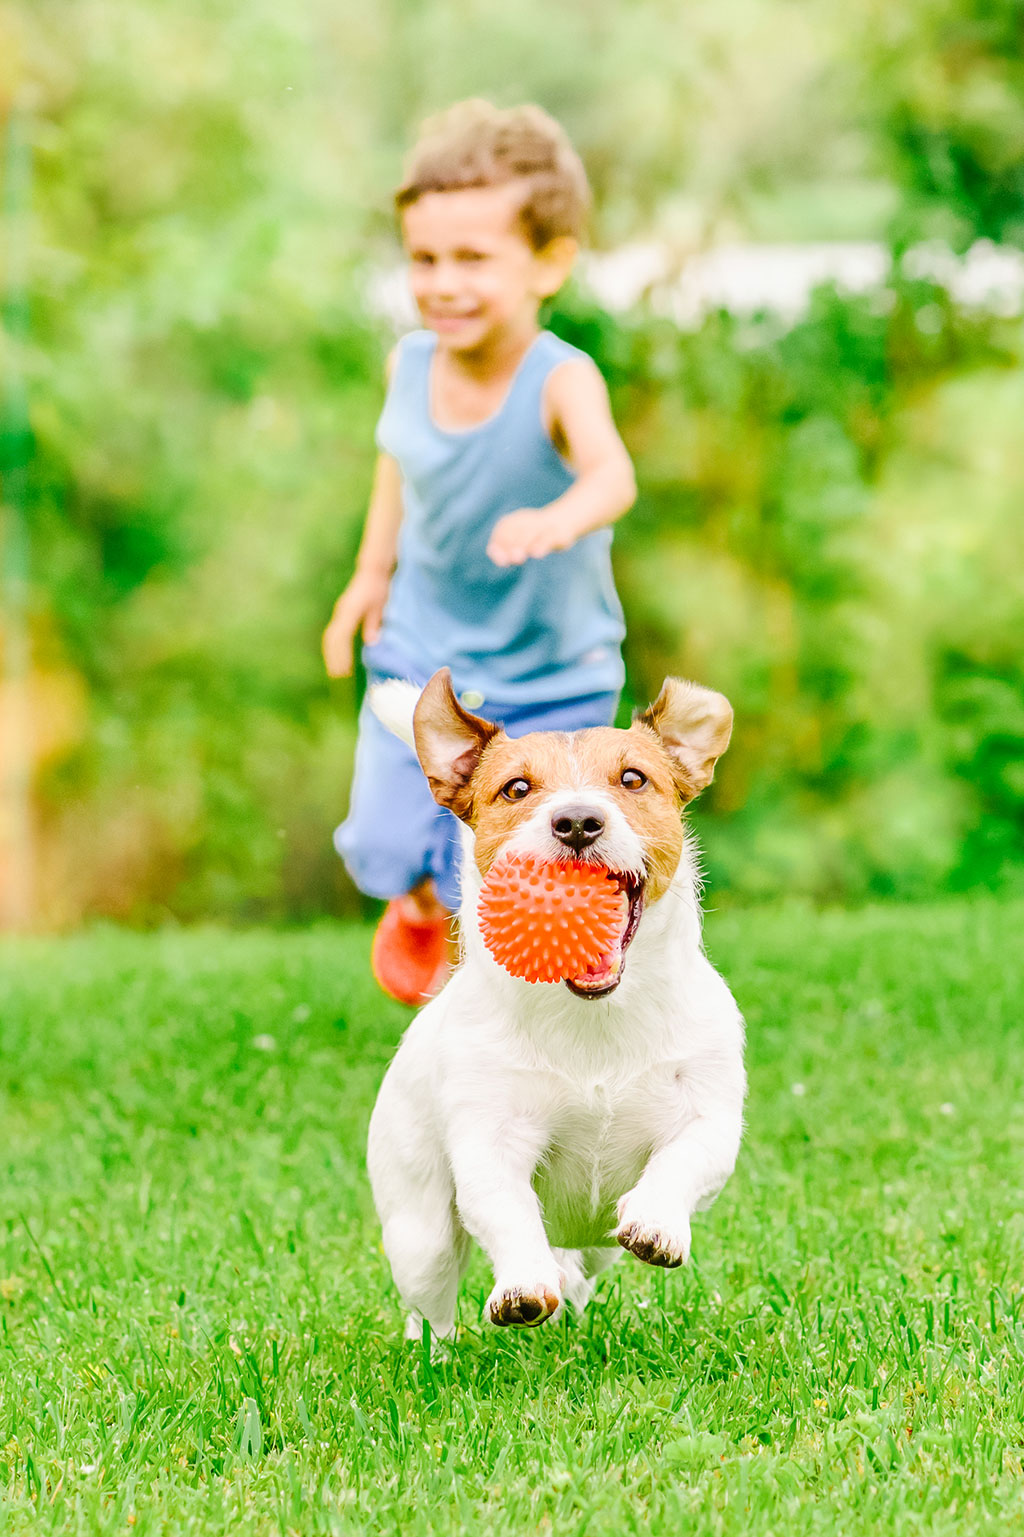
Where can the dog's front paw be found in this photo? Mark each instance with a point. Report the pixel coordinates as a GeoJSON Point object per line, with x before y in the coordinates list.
{"type": "Point", "coordinates": [525, 1306]}
{"type": "Point", "coordinates": [652, 1240]}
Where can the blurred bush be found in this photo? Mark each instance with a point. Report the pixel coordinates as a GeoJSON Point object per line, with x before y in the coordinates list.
{"type": "Point", "coordinates": [828, 527]}
{"type": "Point", "coordinates": [828, 532]}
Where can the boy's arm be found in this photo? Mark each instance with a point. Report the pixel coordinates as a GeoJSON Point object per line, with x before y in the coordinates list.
{"type": "Point", "coordinates": [579, 418]}
{"type": "Point", "coordinates": [362, 602]}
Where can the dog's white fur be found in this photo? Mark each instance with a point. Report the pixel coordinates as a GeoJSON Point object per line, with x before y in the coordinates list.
{"type": "Point", "coordinates": [552, 1128]}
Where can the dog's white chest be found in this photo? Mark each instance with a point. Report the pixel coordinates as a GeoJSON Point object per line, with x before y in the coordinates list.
{"type": "Point", "coordinates": [600, 1138]}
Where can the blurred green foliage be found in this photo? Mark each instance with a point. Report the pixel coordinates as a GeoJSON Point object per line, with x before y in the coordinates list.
{"type": "Point", "coordinates": [828, 533]}
{"type": "Point", "coordinates": [948, 80]}
{"type": "Point", "coordinates": [828, 527]}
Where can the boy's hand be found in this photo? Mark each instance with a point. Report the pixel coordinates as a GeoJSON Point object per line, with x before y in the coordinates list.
{"type": "Point", "coordinates": [528, 534]}
{"type": "Point", "coordinates": [361, 604]}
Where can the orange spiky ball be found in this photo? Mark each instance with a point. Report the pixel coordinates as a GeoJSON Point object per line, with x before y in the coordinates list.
{"type": "Point", "coordinates": [546, 921]}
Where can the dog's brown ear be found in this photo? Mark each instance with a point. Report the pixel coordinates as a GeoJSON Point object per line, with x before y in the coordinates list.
{"type": "Point", "coordinates": [694, 725]}
{"type": "Point", "coordinates": [449, 743]}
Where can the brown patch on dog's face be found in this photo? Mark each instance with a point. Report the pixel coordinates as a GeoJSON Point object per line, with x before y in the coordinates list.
{"type": "Point", "coordinates": [653, 810]}
{"type": "Point", "coordinates": [648, 772]}
{"type": "Point", "coordinates": [542, 761]}
{"type": "Point", "coordinates": [608, 798]}
{"type": "Point", "coordinates": [629, 766]}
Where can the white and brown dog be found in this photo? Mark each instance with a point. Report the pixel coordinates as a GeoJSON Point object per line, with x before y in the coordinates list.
{"type": "Point", "coordinates": [558, 1124]}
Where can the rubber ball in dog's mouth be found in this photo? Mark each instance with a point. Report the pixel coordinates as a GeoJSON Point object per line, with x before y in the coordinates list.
{"type": "Point", "coordinates": [559, 921]}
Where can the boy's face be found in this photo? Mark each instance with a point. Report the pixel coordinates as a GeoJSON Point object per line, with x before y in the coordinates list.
{"type": "Point", "coordinates": [473, 272]}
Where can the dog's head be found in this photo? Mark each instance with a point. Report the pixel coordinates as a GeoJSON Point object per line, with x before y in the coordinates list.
{"type": "Point", "coordinates": [607, 797]}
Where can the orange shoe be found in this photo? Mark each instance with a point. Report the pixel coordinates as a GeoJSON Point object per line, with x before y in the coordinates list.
{"type": "Point", "coordinates": [410, 955]}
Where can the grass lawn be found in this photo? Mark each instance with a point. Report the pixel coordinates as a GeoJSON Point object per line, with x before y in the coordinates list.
{"type": "Point", "coordinates": [197, 1329]}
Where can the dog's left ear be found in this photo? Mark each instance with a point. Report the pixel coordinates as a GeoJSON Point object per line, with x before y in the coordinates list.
{"type": "Point", "coordinates": [449, 743]}
{"type": "Point", "coordinates": [694, 725]}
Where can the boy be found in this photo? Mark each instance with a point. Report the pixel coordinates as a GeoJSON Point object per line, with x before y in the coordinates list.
{"type": "Point", "coordinates": [486, 547]}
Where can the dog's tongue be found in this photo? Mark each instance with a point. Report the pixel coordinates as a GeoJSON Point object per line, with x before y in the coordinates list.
{"type": "Point", "coordinates": [606, 968]}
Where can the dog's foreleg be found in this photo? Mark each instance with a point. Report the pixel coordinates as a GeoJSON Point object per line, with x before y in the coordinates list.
{"type": "Point", "coordinates": [493, 1168]}
{"type": "Point", "coordinates": [681, 1177]}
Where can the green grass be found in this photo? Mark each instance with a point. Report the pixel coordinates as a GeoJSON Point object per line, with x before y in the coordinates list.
{"type": "Point", "coordinates": [198, 1334]}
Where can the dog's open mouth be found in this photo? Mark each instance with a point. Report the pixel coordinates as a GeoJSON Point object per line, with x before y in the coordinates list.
{"type": "Point", "coordinates": [604, 976]}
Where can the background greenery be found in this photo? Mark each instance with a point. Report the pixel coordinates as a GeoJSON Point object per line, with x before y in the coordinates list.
{"type": "Point", "coordinates": [197, 1331]}
{"type": "Point", "coordinates": [829, 524]}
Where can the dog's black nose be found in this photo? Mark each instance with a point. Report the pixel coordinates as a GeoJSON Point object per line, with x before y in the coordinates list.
{"type": "Point", "coordinates": [577, 827]}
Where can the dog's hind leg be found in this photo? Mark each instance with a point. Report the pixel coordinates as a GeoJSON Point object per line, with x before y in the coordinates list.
{"type": "Point", "coordinates": [582, 1267]}
{"type": "Point", "coordinates": [428, 1252]}
{"type": "Point", "coordinates": [424, 1240]}
{"type": "Point", "coordinates": [578, 1286]}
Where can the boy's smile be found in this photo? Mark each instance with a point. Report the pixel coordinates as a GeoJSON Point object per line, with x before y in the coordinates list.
{"type": "Point", "coordinates": [477, 281]}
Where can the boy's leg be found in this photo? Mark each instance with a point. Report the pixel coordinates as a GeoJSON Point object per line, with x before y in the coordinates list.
{"type": "Point", "coordinates": [390, 842]}
{"type": "Point", "coordinates": [410, 953]}
{"type": "Point", "coordinates": [422, 901]}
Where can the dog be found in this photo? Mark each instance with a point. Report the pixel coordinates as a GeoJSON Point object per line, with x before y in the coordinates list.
{"type": "Point", "coordinates": [561, 1124]}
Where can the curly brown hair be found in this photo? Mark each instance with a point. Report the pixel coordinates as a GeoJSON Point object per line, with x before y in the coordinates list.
{"type": "Point", "coordinates": [475, 144]}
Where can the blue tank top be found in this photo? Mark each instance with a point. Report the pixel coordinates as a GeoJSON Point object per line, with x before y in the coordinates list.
{"type": "Point", "coordinates": [550, 629]}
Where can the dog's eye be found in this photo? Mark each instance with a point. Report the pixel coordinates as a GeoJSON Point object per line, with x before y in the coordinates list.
{"type": "Point", "coordinates": [633, 779]}
{"type": "Point", "coordinates": [515, 789]}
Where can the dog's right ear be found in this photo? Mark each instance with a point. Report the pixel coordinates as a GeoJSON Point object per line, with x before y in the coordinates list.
{"type": "Point", "coordinates": [449, 743]}
{"type": "Point", "coordinates": [694, 725]}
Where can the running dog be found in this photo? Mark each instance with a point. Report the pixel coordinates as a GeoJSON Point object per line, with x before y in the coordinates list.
{"type": "Point", "coordinates": [559, 1124]}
